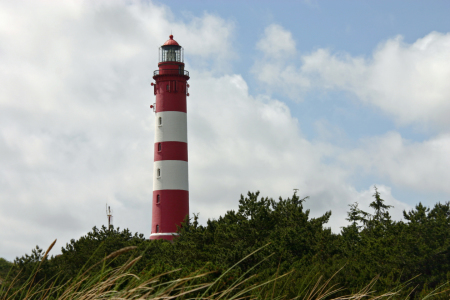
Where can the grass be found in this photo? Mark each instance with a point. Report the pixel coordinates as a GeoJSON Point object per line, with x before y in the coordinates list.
{"type": "Point", "coordinates": [124, 283]}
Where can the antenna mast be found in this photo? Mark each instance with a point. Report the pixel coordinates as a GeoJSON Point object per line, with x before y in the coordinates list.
{"type": "Point", "coordinates": [110, 217]}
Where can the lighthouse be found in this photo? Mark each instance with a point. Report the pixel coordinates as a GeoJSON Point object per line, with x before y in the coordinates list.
{"type": "Point", "coordinates": [170, 204]}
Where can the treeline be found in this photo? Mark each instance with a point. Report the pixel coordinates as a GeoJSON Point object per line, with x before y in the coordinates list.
{"type": "Point", "coordinates": [412, 255]}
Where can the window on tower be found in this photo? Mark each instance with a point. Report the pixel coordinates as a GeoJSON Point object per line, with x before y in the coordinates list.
{"type": "Point", "coordinates": [158, 173]}
{"type": "Point", "coordinates": [160, 121]}
{"type": "Point", "coordinates": [157, 228]}
{"type": "Point", "coordinates": [158, 199]}
{"type": "Point", "coordinates": [159, 146]}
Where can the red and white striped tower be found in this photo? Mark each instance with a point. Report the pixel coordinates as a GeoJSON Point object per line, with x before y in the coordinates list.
{"type": "Point", "coordinates": [170, 177]}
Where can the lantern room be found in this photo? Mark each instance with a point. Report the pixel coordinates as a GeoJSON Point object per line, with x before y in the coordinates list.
{"type": "Point", "coordinates": [171, 51]}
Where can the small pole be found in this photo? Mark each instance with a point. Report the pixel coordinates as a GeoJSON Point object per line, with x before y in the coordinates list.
{"type": "Point", "coordinates": [110, 217]}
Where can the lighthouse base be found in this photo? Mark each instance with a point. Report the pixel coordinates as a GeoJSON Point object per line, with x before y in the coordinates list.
{"type": "Point", "coordinates": [166, 236]}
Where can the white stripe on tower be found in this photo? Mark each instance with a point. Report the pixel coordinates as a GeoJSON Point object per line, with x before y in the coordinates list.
{"type": "Point", "coordinates": [171, 126]}
{"type": "Point", "coordinates": [171, 175]}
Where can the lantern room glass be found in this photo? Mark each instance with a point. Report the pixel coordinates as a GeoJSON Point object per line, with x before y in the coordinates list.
{"type": "Point", "coordinates": [171, 53]}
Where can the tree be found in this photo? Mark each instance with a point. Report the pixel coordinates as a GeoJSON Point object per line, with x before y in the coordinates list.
{"type": "Point", "coordinates": [381, 215]}
{"type": "Point", "coordinates": [77, 254]}
{"type": "Point", "coordinates": [283, 225]}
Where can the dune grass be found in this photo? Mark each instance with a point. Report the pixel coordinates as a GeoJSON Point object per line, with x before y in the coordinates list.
{"type": "Point", "coordinates": [125, 283]}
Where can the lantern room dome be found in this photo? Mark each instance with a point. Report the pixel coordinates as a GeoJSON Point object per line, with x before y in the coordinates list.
{"type": "Point", "coordinates": [171, 42]}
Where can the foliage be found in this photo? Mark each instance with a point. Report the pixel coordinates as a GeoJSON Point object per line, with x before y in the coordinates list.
{"type": "Point", "coordinates": [411, 257]}
{"type": "Point", "coordinates": [5, 267]}
{"type": "Point", "coordinates": [416, 248]}
{"type": "Point", "coordinates": [284, 225]}
{"type": "Point", "coordinates": [122, 283]}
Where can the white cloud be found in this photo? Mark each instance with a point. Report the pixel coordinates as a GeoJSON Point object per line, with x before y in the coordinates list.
{"type": "Point", "coordinates": [275, 67]}
{"type": "Point", "coordinates": [407, 81]}
{"type": "Point", "coordinates": [410, 82]}
{"type": "Point", "coordinates": [276, 42]}
{"type": "Point", "coordinates": [420, 166]}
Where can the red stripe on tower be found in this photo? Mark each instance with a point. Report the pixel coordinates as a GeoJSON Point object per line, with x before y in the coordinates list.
{"type": "Point", "coordinates": [170, 205]}
{"type": "Point", "coordinates": [171, 151]}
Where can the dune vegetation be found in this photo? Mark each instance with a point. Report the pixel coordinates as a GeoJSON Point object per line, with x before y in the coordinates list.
{"type": "Point", "coordinates": [267, 249]}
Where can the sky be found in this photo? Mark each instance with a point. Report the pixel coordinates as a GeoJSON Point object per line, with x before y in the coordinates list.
{"type": "Point", "coordinates": [327, 97]}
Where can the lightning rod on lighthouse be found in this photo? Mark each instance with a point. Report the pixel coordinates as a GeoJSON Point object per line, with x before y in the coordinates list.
{"type": "Point", "coordinates": [170, 204]}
